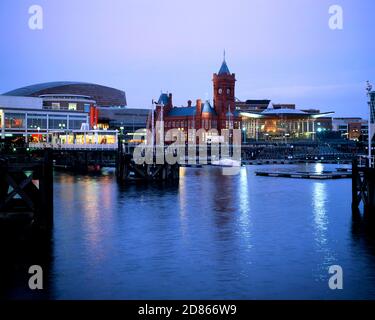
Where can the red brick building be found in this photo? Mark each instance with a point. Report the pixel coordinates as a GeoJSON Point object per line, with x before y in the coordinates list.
{"type": "Point", "coordinates": [202, 115]}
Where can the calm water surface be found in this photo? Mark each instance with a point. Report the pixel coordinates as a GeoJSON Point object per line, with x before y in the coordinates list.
{"type": "Point", "coordinates": [208, 237]}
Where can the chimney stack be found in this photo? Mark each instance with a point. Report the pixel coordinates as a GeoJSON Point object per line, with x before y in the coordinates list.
{"type": "Point", "coordinates": [170, 100]}
{"type": "Point", "coordinates": [199, 107]}
{"type": "Point", "coordinates": [189, 103]}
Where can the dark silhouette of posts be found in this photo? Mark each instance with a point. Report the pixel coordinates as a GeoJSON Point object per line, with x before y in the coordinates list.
{"type": "Point", "coordinates": [363, 186]}
{"type": "Point", "coordinates": [26, 190]}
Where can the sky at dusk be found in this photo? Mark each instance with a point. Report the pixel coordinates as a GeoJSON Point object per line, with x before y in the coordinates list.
{"type": "Point", "coordinates": [282, 50]}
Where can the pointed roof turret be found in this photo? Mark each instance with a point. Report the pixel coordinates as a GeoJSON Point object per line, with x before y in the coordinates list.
{"type": "Point", "coordinates": [207, 108]}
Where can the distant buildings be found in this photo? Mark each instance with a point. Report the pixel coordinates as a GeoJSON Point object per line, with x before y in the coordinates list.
{"type": "Point", "coordinates": [221, 115]}
{"type": "Point", "coordinates": [36, 110]}
{"type": "Point", "coordinates": [77, 96]}
{"type": "Point", "coordinates": [27, 117]}
{"type": "Point", "coordinates": [351, 128]}
{"type": "Point", "coordinates": [252, 105]}
{"type": "Point", "coordinates": [258, 119]}
{"type": "Point", "coordinates": [281, 123]}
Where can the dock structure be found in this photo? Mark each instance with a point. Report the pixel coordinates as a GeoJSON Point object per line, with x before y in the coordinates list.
{"type": "Point", "coordinates": [80, 151]}
{"type": "Point", "coordinates": [26, 191]}
{"type": "Point", "coordinates": [261, 162]}
{"type": "Point", "coordinates": [128, 170]}
{"type": "Point", "coordinates": [363, 185]}
{"type": "Point", "coordinates": [325, 175]}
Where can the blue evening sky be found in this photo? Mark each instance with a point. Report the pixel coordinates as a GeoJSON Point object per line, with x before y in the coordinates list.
{"type": "Point", "coordinates": [283, 50]}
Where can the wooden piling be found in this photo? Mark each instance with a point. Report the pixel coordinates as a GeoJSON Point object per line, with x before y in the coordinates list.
{"type": "Point", "coordinates": [363, 186]}
{"type": "Point", "coordinates": [26, 191]}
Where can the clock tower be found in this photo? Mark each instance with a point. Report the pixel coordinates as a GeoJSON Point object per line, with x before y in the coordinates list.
{"type": "Point", "coordinates": [224, 95]}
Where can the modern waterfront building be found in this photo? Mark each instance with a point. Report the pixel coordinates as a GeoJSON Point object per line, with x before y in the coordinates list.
{"type": "Point", "coordinates": [351, 128]}
{"type": "Point", "coordinates": [126, 120]}
{"type": "Point", "coordinates": [129, 119]}
{"type": "Point", "coordinates": [282, 122]}
{"type": "Point", "coordinates": [65, 95]}
{"type": "Point", "coordinates": [252, 105]}
{"type": "Point", "coordinates": [79, 140]}
{"type": "Point", "coordinates": [35, 110]}
{"type": "Point", "coordinates": [26, 117]}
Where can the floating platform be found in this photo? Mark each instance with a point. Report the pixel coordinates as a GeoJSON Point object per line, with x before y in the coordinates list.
{"type": "Point", "coordinates": [261, 162]}
{"type": "Point", "coordinates": [306, 175]}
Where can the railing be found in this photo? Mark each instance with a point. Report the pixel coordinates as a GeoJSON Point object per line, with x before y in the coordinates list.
{"type": "Point", "coordinates": [66, 146]}
{"type": "Point", "coordinates": [365, 161]}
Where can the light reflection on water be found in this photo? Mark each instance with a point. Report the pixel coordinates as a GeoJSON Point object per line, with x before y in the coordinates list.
{"type": "Point", "coordinates": [321, 226]}
{"type": "Point", "coordinates": [211, 236]}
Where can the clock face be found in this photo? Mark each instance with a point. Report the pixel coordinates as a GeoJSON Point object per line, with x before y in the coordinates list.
{"type": "Point", "coordinates": [220, 91]}
{"type": "Point", "coordinates": [228, 91]}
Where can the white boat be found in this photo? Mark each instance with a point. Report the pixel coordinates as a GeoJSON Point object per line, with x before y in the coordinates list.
{"type": "Point", "coordinates": [226, 163]}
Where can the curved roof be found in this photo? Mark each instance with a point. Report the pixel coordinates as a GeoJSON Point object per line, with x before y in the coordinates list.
{"type": "Point", "coordinates": [34, 88]}
{"type": "Point", "coordinates": [283, 112]}
{"type": "Point", "coordinates": [104, 96]}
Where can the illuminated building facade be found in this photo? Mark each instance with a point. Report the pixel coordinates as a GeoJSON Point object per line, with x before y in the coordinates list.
{"type": "Point", "coordinates": [282, 123]}
{"type": "Point", "coordinates": [203, 115]}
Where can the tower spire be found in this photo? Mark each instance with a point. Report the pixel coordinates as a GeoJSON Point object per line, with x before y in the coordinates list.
{"type": "Point", "coordinates": [224, 68]}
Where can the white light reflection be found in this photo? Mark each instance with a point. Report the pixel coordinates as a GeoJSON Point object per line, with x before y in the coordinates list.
{"type": "Point", "coordinates": [319, 168]}
{"type": "Point", "coordinates": [183, 202]}
{"type": "Point", "coordinates": [319, 202]}
{"type": "Point", "coordinates": [96, 197]}
{"type": "Point", "coordinates": [244, 206]}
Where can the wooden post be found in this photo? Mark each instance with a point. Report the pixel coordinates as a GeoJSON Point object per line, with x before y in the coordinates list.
{"type": "Point", "coordinates": [370, 189]}
{"type": "Point", "coordinates": [45, 210]}
{"type": "Point", "coordinates": [355, 173]}
{"type": "Point", "coordinates": [3, 181]}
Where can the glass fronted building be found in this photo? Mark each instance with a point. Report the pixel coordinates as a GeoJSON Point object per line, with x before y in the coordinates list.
{"type": "Point", "coordinates": [280, 124]}
{"type": "Point", "coordinates": [26, 117]}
